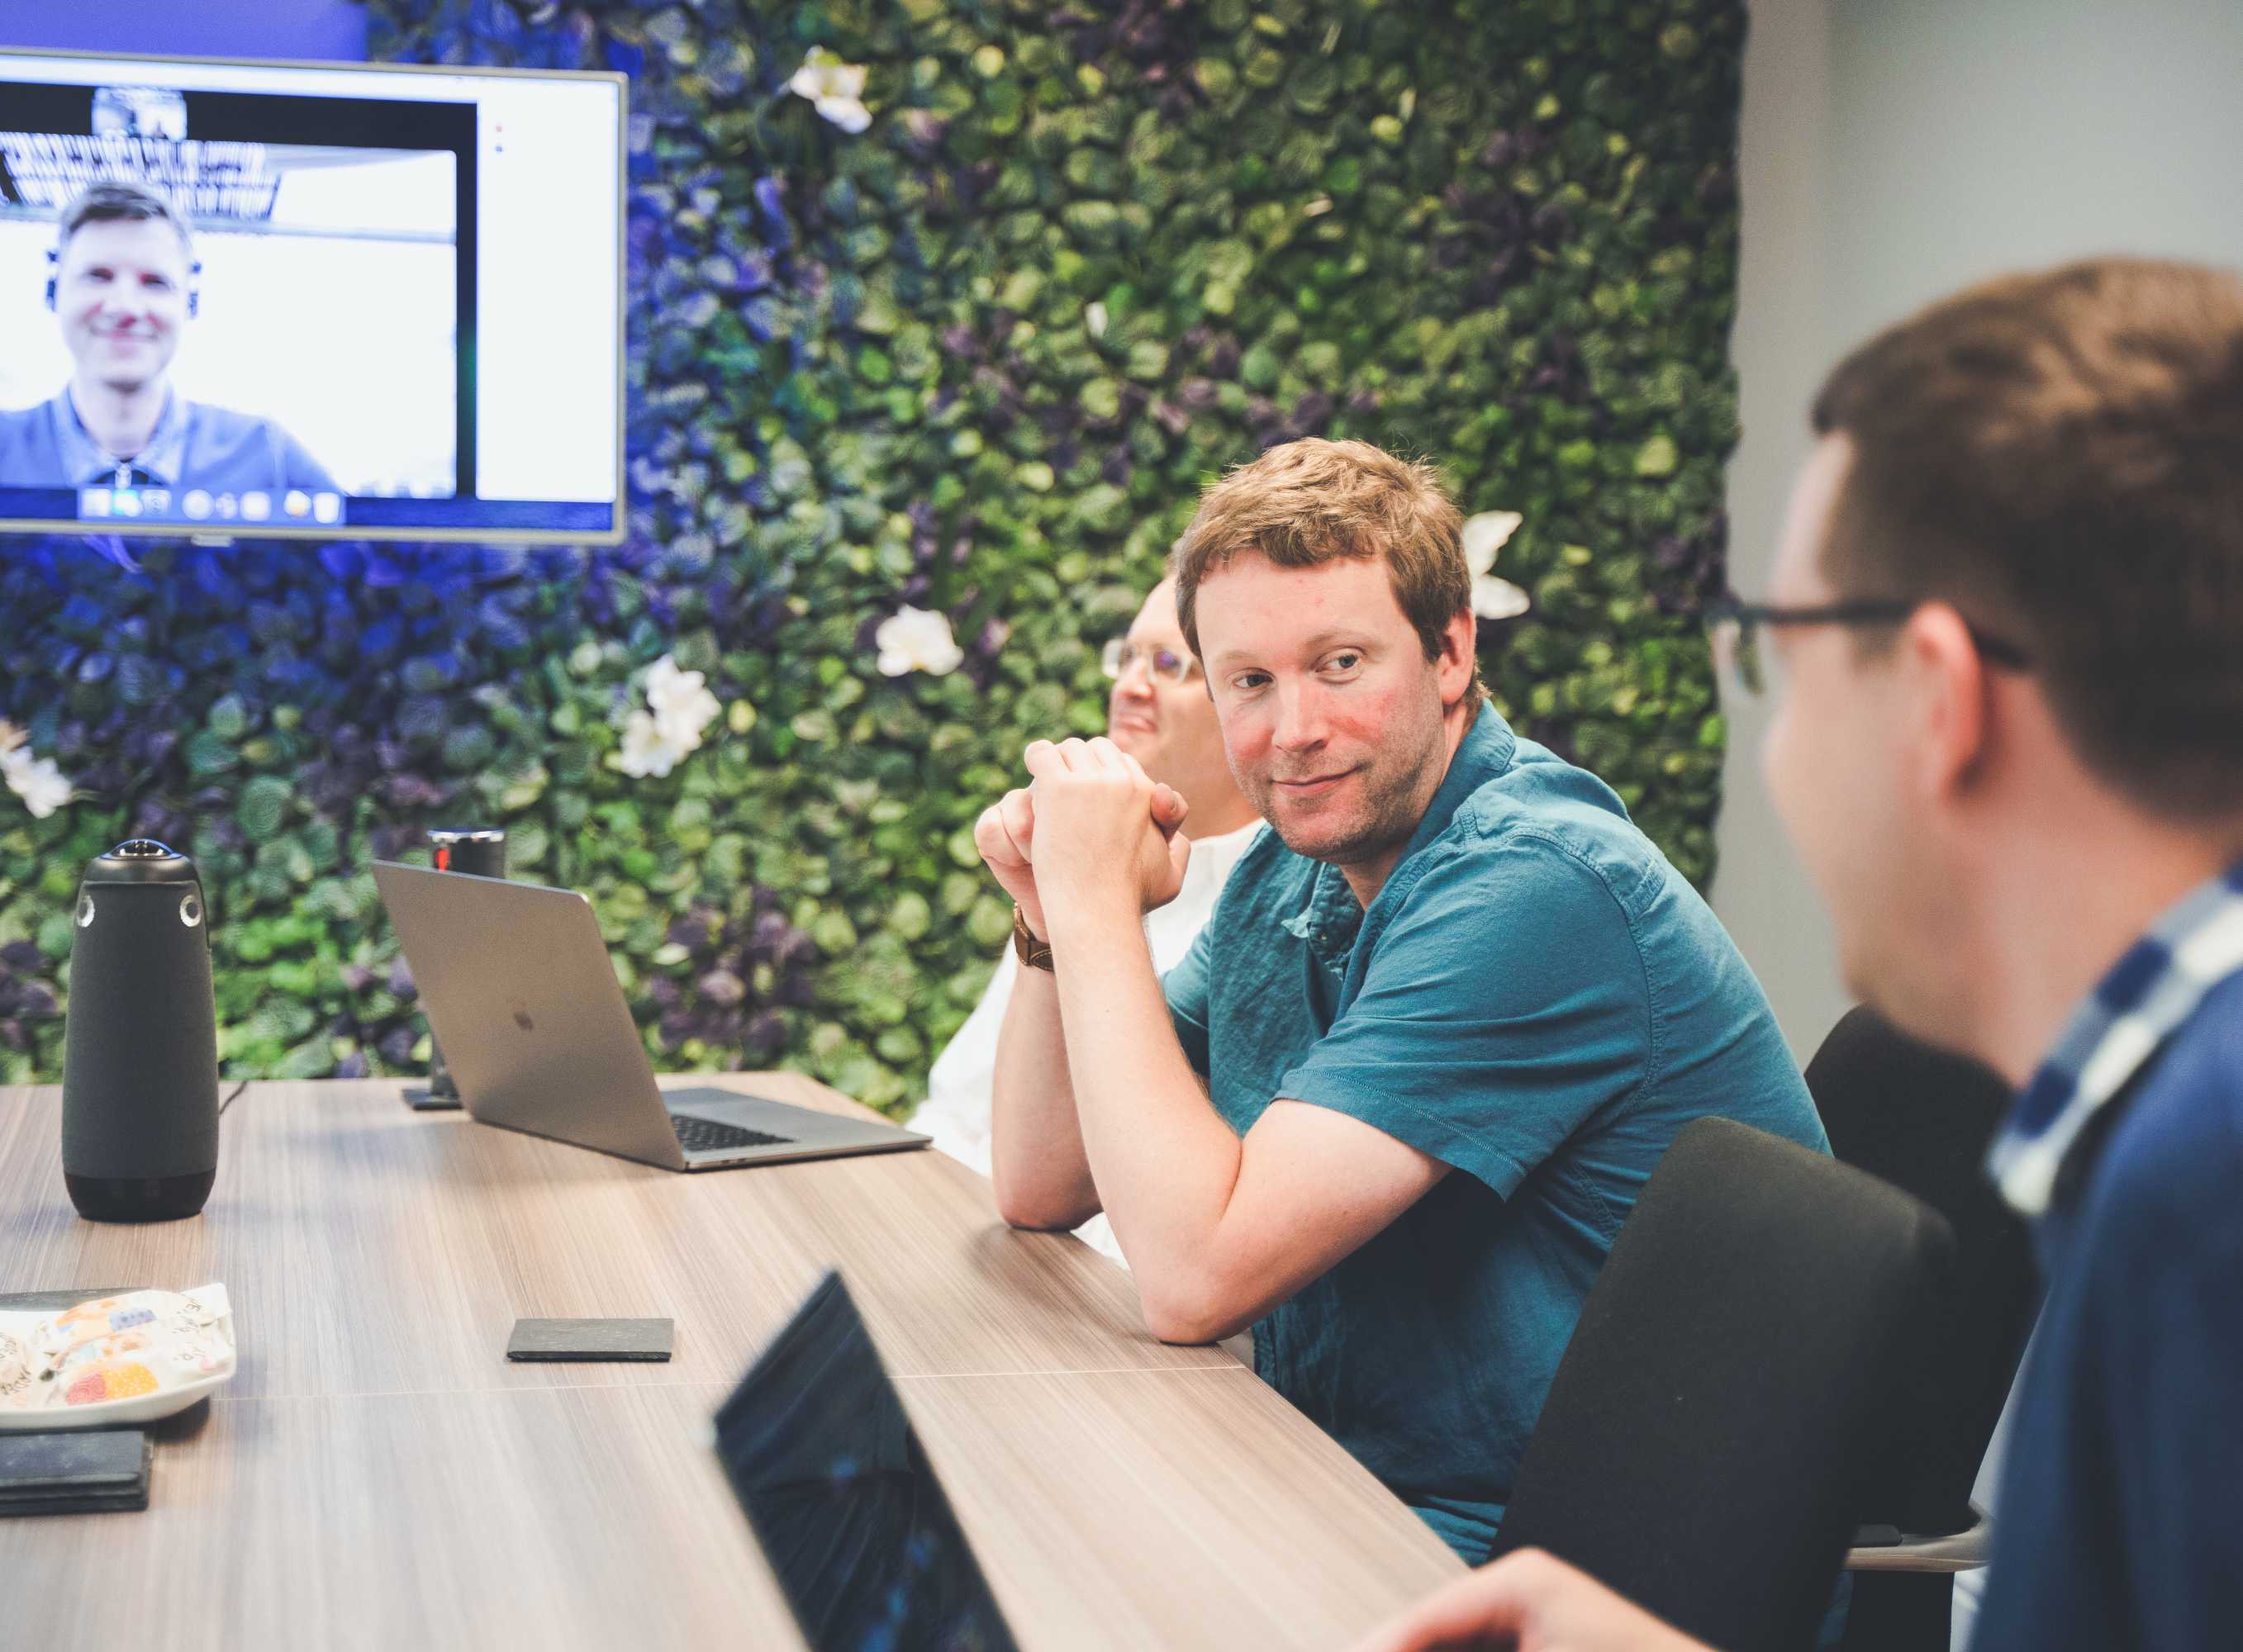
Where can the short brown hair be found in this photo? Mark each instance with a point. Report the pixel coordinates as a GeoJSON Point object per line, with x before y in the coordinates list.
{"type": "Point", "coordinates": [2060, 456]}
{"type": "Point", "coordinates": [1313, 501]}
{"type": "Point", "coordinates": [116, 200]}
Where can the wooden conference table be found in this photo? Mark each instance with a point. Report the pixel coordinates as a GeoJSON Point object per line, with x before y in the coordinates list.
{"type": "Point", "coordinates": [377, 1475]}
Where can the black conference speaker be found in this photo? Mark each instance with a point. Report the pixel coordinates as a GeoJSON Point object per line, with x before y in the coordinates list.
{"type": "Point", "coordinates": [140, 1041]}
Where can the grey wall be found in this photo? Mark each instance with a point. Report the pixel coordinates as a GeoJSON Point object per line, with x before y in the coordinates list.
{"type": "Point", "coordinates": [1894, 151]}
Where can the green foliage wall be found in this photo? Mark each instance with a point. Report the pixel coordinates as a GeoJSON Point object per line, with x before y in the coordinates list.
{"type": "Point", "coordinates": [978, 358]}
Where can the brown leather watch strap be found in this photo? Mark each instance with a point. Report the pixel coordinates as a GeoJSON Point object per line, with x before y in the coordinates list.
{"type": "Point", "coordinates": [1037, 955]}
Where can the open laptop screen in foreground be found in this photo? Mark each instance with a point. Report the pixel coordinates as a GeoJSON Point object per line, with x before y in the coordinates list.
{"type": "Point", "coordinates": [840, 1492]}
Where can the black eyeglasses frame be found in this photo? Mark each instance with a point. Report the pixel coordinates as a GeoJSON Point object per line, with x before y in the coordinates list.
{"type": "Point", "coordinates": [1749, 617]}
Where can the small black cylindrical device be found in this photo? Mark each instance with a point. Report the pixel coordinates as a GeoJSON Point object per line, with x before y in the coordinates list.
{"type": "Point", "coordinates": [481, 852]}
{"type": "Point", "coordinates": [140, 1040]}
{"type": "Point", "coordinates": [478, 850]}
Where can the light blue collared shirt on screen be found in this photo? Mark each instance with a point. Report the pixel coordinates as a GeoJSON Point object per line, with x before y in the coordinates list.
{"type": "Point", "coordinates": [194, 445]}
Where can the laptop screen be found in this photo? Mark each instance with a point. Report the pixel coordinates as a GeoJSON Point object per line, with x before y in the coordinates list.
{"type": "Point", "coordinates": [842, 1499]}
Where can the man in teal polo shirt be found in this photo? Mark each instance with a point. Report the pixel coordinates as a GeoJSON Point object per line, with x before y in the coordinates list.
{"type": "Point", "coordinates": [1452, 953]}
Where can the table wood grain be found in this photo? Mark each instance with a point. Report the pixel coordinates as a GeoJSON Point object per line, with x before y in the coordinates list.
{"type": "Point", "coordinates": [379, 1474]}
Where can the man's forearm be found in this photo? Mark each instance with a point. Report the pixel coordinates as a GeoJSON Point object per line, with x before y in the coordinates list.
{"type": "Point", "coordinates": [1038, 1169]}
{"type": "Point", "coordinates": [1164, 1162]}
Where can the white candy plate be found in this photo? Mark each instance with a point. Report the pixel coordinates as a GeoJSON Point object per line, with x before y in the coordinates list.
{"type": "Point", "coordinates": [16, 1327]}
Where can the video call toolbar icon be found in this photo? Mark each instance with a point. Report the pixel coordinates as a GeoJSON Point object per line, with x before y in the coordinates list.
{"type": "Point", "coordinates": [200, 505]}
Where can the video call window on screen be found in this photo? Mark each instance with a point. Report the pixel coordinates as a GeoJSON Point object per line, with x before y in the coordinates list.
{"type": "Point", "coordinates": [319, 300]}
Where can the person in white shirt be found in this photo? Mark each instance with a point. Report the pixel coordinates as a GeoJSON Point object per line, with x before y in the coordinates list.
{"type": "Point", "coordinates": [1158, 712]}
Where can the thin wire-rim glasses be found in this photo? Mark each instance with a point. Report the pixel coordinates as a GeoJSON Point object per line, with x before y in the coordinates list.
{"type": "Point", "coordinates": [1163, 665]}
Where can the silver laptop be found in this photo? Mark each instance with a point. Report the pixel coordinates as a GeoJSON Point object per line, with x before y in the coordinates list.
{"type": "Point", "coordinates": [516, 983]}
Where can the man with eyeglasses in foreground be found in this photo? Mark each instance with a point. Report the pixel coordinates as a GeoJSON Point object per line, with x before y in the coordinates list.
{"type": "Point", "coordinates": [2008, 607]}
{"type": "Point", "coordinates": [1160, 713]}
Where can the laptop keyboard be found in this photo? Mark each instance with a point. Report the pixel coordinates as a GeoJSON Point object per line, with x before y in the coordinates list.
{"type": "Point", "coordinates": [706, 1135]}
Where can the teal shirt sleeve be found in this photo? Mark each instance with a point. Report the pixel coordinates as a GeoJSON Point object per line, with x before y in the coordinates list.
{"type": "Point", "coordinates": [1505, 1005]}
{"type": "Point", "coordinates": [1186, 987]}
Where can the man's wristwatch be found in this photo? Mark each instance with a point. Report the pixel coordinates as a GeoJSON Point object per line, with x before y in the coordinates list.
{"type": "Point", "coordinates": [1037, 955]}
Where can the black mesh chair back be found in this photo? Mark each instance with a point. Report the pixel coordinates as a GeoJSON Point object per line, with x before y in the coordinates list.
{"type": "Point", "coordinates": [1921, 1119]}
{"type": "Point", "coordinates": [1709, 1430]}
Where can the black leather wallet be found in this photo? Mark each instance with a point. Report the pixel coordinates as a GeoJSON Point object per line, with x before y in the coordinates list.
{"type": "Point", "coordinates": [78, 1471]}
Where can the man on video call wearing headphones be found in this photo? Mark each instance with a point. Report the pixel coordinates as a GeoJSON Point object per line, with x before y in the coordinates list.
{"type": "Point", "coordinates": [122, 283]}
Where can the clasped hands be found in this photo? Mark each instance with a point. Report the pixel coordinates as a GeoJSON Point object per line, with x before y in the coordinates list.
{"type": "Point", "coordinates": [1091, 827]}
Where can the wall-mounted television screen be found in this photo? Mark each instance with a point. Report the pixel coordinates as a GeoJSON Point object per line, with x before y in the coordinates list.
{"type": "Point", "coordinates": [327, 300]}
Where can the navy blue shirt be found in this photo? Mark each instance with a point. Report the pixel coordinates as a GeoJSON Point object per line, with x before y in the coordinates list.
{"type": "Point", "coordinates": [1536, 998]}
{"type": "Point", "coordinates": [2119, 1519]}
{"type": "Point", "coordinates": [194, 445]}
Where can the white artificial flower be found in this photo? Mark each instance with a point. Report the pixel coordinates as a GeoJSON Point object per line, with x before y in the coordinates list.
{"type": "Point", "coordinates": [1483, 535]}
{"type": "Point", "coordinates": [683, 722]}
{"type": "Point", "coordinates": [1495, 599]}
{"type": "Point", "coordinates": [36, 781]}
{"type": "Point", "coordinates": [683, 707]}
{"type": "Point", "coordinates": [823, 75]}
{"type": "Point", "coordinates": [668, 728]}
{"type": "Point", "coordinates": [836, 90]}
{"type": "Point", "coordinates": [1094, 318]}
{"type": "Point", "coordinates": [648, 748]}
{"type": "Point", "coordinates": [1486, 533]}
{"type": "Point", "coordinates": [666, 683]}
{"type": "Point", "coordinates": [915, 639]}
